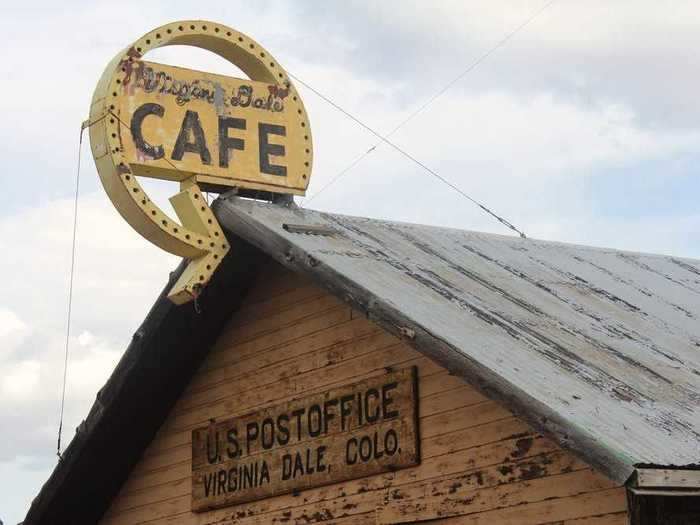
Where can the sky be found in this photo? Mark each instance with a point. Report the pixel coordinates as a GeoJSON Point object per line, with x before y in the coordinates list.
{"type": "Point", "coordinates": [583, 127]}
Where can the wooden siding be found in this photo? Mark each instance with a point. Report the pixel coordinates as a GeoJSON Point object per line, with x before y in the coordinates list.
{"type": "Point", "coordinates": [480, 464]}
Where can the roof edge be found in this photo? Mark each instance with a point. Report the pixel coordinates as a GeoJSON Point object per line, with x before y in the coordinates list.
{"type": "Point", "coordinates": [164, 353]}
{"type": "Point", "coordinates": [541, 417]}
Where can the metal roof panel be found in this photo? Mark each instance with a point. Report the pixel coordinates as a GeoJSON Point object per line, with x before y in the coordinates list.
{"type": "Point", "coordinates": [600, 347]}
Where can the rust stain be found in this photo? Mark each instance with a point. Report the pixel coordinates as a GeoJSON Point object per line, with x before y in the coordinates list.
{"type": "Point", "coordinates": [531, 470]}
{"type": "Point", "coordinates": [505, 469]}
{"type": "Point", "coordinates": [122, 169]}
{"type": "Point", "coordinates": [522, 446]}
{"type": "Point", "coordinates": [127, 65]}
{"type": "Point", "coordinates": [277, 91]}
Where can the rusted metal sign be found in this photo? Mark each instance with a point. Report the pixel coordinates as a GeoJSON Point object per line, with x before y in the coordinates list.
{"type": "Point", "coordinates": [196, 128]}
{"type": "Point", "coordinates": [345, 433]}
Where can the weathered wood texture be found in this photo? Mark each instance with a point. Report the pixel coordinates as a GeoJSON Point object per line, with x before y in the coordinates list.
{"type": "Point", "coordinates": [290, 339]}
{"type": "Point", "coordinates": [666, 478]}
{"type": "Point", "coordinates": [596, 347]}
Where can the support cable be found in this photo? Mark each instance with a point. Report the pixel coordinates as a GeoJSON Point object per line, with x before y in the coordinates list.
{"type": "Point", "coordinates": [435, 96]}
{"type": "Point", "coordinates": [410, 157]}
{"type": "Point", "coordinates": [70, 288]}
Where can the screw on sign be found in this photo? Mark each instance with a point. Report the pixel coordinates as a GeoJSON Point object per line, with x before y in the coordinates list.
{"type": "Point", "coordinates": [196, 128]}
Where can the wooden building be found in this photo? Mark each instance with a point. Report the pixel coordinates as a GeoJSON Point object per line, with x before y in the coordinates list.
{"type": "Point", "coordinates": [505, 380]}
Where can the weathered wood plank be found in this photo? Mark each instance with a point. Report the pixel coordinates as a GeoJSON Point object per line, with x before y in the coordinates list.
{"type": "Point", "coordinates": [429, 384]}
{"type": "Point", "coordinates": [476, 412]}
{"type": "Point", "coordinates": [241, 361]}
{"type": "Point", "coordinates": [253, 312]}
{"type": "Point", "coordinates": [432, 384]}
{"type": "Point", "coordinates": [283, 370]}
{"type": "Point", "coordinates": [472, 415]}
{"type": "Point", "coordinates": [176, 481]}
{"type": "Point", "coordinates": [274, 281]}
{"type": "Point", "coordinates": [173, 438]}
{"type": "Point", "coordinates": [466, 440]}
{"type": "Point", "coordinates": [610, 501]}
{"type": "Point", "coordinates": [470, 501]}
{"type": "Point", "coordinates": [618, 518]}
{"type": "Point", "coordinates": [348, 501]}
{"type": "Point", "coordinates": [443, 444]}
{"type": "Point", "coordinates": [285, 318]}
{"type": "Point", "coordinates": [252, 399]}
{"type": "Point", "coordinates": [510, 451]}
{"type": "Point", "coordinates": [277, 338]}
{"type": "Point", "coordinates": [667, 478]}
{"type": "Point", "coordinates": [357, 502]}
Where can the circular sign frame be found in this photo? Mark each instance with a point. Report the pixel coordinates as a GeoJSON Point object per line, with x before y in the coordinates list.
{"type": "Point", "coordinates": [198, 237]}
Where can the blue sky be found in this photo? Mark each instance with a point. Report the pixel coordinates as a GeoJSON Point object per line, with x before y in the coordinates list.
{"type": "Point", "coordinates": [582, 128]}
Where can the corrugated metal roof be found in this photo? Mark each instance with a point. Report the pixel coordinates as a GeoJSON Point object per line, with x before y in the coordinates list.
{"type": "Point", "coordinates": [597, 346]}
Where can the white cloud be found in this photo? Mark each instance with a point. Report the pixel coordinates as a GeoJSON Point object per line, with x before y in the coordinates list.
{"type": "Point", "coordinates": [86, 338]}
{"type": "Point", "coordinates": [91, 368]}
{"type": "Point", "coordinates": [118, 276]}
{"type": "Point", "coordinates": [19, 380]}
{"type": "Point", "coordinates": [12, 332]}
{"type": "Point", "coordinates": [36, 246]}
{"type": "Point", "coordinates": [543, 133]}
{"type": "Point", "coordinates": [10, 324]}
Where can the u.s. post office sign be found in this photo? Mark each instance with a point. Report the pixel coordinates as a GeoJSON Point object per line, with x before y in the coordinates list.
{"type": "Point", "coordinates": [348, 432]}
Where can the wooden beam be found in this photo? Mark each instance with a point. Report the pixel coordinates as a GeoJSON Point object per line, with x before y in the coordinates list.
{"type": "Point", "coordinates": [668, 478]}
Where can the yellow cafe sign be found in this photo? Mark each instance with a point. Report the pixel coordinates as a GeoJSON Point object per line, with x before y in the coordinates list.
{"type": "Point", "coordinates": [200, 130]}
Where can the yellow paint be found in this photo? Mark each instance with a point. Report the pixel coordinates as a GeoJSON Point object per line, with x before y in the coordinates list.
{"type": "Point", "coordinates": [265, 109]}
{"type": "Point", "coordinates": [216, 101]}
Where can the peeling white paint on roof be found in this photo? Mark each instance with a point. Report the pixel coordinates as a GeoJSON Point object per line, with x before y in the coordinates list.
{"type": "Point", "coordinates": [609, 341]}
